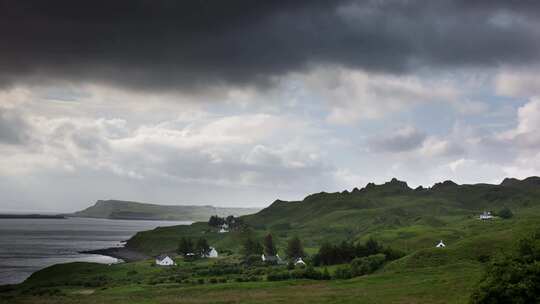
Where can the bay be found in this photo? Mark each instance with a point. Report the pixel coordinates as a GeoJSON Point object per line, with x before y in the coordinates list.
{"type": "Point", "coordinates": [28, 245]}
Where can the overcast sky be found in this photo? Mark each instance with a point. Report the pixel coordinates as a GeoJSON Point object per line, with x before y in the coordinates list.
{"type": "Point", "coordinates": [241, 102]}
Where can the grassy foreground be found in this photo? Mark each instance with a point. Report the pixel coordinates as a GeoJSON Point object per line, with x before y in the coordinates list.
{"type": "Point", "coordinates": [445, 284]}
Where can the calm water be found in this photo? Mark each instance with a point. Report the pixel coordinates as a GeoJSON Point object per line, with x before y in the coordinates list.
{"type": "Point", "coordinates": [27, 245]}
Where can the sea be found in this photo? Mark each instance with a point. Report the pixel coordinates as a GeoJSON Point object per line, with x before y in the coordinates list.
{"type": "Point", "coordinates": [28, 245]}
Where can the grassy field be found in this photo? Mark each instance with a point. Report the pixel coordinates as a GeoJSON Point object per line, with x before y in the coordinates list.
{"type": "Point", "coordinates": [440, 284]}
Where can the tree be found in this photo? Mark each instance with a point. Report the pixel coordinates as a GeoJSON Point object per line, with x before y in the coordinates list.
{"type": "Point", "coordinates": [513, 278]}
{"type": "Point", "coordinates": [185, 246]}
{"type": "Point", "coordinates": [252, 247]}
{"type": "Point", "coordinates": [372, 247]}
{"type": "Point", "coordinates": [269, 247]}
{"type": "Point", "coordinates": [326, 255]}
{"type": "Point", "coordinates": [215, 221]}
{"type": "Point", "coordinates": [230, 220]}
{"type": "Point", "coordinates": [202, 247]}
{"type": "Point", "coordinates": [295, 249]}
{"type": "Point", "coordinates": [506, 213]}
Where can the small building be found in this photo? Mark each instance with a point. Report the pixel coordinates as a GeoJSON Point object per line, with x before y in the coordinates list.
{"type": "Point", "coordinates": [224, 228]}
{"type": "Point", "coordinates": [486, 215]}
{"type": "Point", "coordinates": [440, 245]}
{"type": "Point", "coordinates": [299, 262]}
{"type": "Point", "coordinates": [164, 260]}
{"type": "Point", "coordinates": [212, 253]}
{"type": "Point", "coordinates": [274, 259]}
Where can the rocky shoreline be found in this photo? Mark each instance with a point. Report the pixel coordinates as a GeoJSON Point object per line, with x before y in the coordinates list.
{"type": "Point", "coordinates": [122, 253]}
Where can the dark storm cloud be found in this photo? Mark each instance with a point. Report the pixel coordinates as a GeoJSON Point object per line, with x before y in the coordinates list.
{"type": "Point", "coordinates": [195, 43]}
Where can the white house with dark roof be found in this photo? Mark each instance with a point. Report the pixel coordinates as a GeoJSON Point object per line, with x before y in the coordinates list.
{"type": "Point", "coordinates": [440, 245]}
{"type": "Point", "coordinates": [486, 215]}
{"type": "Point", "coordinates": [271, 259]}
{"type": "Point", "coordinates": [212, 253]}
{"type": "Point", "coordinates": [164, 260]}
{"type": "Point", "coordinates": [224, 228]}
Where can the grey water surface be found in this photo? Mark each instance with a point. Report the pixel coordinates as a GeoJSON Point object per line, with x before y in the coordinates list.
{"type": "Point", "coordinates": [27, 245]}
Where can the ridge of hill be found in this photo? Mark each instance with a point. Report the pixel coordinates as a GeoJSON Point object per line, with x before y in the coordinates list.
{"type": "Point", "coordinates": [409, 219]}
{"type": "Point", "coordinates": [126, 210]}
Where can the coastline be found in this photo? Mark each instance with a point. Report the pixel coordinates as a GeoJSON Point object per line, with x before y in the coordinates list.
{"type": "Point", "coordinates": [121, 253]}
{"type": "Point", "coordinates": [32, 216]}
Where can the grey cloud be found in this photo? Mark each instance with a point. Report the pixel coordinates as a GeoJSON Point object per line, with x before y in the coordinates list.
{"type": "Point", "coordinates": [169, 45]}
{"type": "Point", "coordinates": [402, 140]}
{"type": "Point", "coordinates": [13, 128]}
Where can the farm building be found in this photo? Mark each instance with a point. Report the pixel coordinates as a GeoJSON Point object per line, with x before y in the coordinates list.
{"type": "Point", "coordinates": [486, 215]}
{"type": "Point", "coordinates": [224, 228]}
{"type": "Point", "coordinates": [271, 259]}
{"type": "Point", "coordinates": [212, 253]}
{"type": "Point", "coordinates": [164, 260]}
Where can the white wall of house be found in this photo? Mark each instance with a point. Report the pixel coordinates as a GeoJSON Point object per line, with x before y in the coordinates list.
{"type": "Point", "coordinates": [167, 261]}
{"type": "Point", "coordinates": [213, 253]}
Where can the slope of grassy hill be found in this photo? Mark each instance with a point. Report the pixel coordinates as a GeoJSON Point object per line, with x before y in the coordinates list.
{"type": "Point", "coordinates": [115, 209]}
{"type": "Point", "coordinates": [408, 219]}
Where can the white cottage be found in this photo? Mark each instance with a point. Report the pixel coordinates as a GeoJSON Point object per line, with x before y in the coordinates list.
{"type": "Point", "coordinates": [271, 259]}
{"type": "Point", "coordinates": [212, 253]}
{"type": "Point", "coordinates": [164, 260]}
{"type": "Point", "coordinates": [440, 245]}
{"type": "Point", "coordinates": [299, 262]}
{"type": "Point", "coordinates": [224, 228]}
{"type": "Point", "coordinates": [486, 215]}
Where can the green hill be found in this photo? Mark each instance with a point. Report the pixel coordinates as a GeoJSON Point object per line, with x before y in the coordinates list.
{"type": "Point", "coordinates": [115, 209]}
{"type": "Point", "coordinates": [408, 219]}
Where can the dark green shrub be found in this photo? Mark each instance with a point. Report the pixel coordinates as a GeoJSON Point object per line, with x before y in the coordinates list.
{"type": "Point", "coordinates": [505, 213]}
{"type": "Point", "coordinates": [131, 273]}
{"type": "Point", "coordinates": [513, 278]}
{"type": "Point", "coordinates": [278, 276]}
{"type": "Point", "coordinates": [343, 272]}
{"type": "Point", "coordinates": [367, 265]}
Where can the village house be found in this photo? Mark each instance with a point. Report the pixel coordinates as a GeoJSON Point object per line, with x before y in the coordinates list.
{"type": "Point", "coordinates": [212, 253]}
{"type": "Point", "coordinates": [164, 260]}
{"type": "Point", "coordinates": [299, 262]}
{"type": "Point", "coordinates": [271, 259]}
{"type": "Point", "coordinates": [224, 228]}
{"type": "Point", "coordinates": [440, 245]}
{"type": "Point", "coordinates": [486, 215]}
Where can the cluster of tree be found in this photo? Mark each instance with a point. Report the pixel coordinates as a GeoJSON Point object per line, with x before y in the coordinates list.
{"type": "Point", "coordinates": [345, 252]}
{"type": "Point", "coordinates": [234, 223]}
{"type": "Point", "coordinates": [303, 273]}
{"type": "Point", "coordinates": [512, 278]}
{"type": "Point", "coordinates": [294, 249]}
{"type": "Point", "coordinates": [253, 249]}
{"type": "Point", "coordinates": [361, 266]}
{"type": "Point", "coordinates": [188, 246]}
